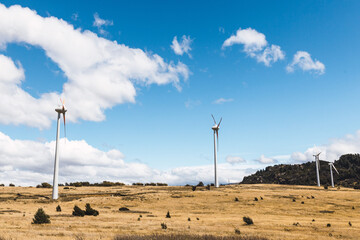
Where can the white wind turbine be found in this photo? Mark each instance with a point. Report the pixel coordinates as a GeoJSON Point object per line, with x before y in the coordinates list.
{"type": "Point", "coordinates": [59, 110]}
{"type": "Point", "coordinates": [331, 164]}
{"type": "Point", "coordinates": [317, 163]}
{"type": "Point", "coordinates": [216, 140]}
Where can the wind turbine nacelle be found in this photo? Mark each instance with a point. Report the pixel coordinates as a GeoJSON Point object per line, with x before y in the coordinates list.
{"type": "Point", "coordinates": [61, 110]}
{"type": "Point", "coordinates": [215, 128]}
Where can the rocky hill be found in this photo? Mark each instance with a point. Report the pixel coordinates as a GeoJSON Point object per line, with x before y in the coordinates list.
{"type": "Point", "coordinates": [305, 174]}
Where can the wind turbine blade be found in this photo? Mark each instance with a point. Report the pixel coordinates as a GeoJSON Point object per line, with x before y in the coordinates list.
{"type": "Point", "coordinates": [335, 168]}
{"type": "Point", "coordinates": [213, 119]}
{"type": "Point", "coordinates": [219, 122]}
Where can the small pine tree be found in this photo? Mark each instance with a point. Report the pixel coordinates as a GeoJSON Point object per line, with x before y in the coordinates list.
{"type": "Point", "coordinates": [41, 217]}
{"type": "Point", "coordinates": [78, 212]}
{"type": "Point", "coordinates": [90, 211]}
{"type": "Point", "coordinates": [58, 208]}
{"type": "Point", "coordinates": [168, 215]}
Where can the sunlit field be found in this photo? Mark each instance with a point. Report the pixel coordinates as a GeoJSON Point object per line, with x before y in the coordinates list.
{"type": "Point", "coordinates": [278, 212]}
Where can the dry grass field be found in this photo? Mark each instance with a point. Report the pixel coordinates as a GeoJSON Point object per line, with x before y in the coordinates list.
{"type": "Point", "coordinates": [214, 212]}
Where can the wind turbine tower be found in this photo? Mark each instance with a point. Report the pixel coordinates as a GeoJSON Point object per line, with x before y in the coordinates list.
{"type": "Point", "coordinates": [60, 110]}
{"type": "Point", "coordinates": [215, 128]}
{"type": "Point", "coordinates": [317, 163]}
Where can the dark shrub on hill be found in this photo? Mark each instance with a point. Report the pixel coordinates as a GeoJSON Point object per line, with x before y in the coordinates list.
{"type": "Point", "coordinates": [41, 217]}
{"type": "Point", "coordinates": [58, 208]}
{"type": "Point", "coordinates": [161, 184]}
{"type": "Point", "coordinates": [138, 184]}
{"type": "Point", "coordinates": [90, 211]}
{"type": "Point", "coordinates": [200, 184]}
{"type": "Point", "coordinates": [78, 212]}
{"type": "Point", "coordinates": [168, 215]}
{"type": "Point", "coordinates": [44, 185]}
{"type": "Point", "coordinates": [11, 185]}
{"type": "Point", "coordinates": [2, 185]}
{"type": "Point", "coordinates": [150, 184]}
{"type": "Point", "coordinates": [123, 209]}
{"type": "Point", "coordinates": [193, 188]}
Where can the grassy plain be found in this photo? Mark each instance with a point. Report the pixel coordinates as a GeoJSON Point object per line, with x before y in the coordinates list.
{"type": "Point", "coordinates": [215, 212]}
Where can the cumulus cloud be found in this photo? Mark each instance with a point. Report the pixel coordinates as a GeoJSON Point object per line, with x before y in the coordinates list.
{"type": "Point", "coordinates": [256, 46]}
{"type": "Point", "coordinates": [304, 61]}
{"type": "Point", "coordinates": [332, 150]}
{"type": "Point", "coordinates": [183, 46]}
{"type": "Point", "coordinates": [100, 73]}
{"type": "Point", "coordinates": [234, 159]}
{"type": "Point", "coordinates": [266, 160]}
{"type": "Point", "coordinates": [223, 100]}
{"type": "Point", "coordinates": [190, 104]}
{"type": "Point", "coordinates": [100, 23]}
{"type": "Point", "coordinates": [25, 163]}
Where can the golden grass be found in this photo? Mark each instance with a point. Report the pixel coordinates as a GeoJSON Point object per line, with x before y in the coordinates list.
{"type": "Point", "coordinates": [274, 216]}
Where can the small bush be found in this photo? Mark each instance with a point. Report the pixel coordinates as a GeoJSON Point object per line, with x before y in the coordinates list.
{"type": "Point", "coordinates": [328, 225]}
{"type": "Point", "coordinates": [236, 199]}
{"type": "Point", "coordinates": [189, 219]}
{"type": "Point", "coordinates": [302, 202]}
{"type": "Point", "coordinates": [237, 231]}
{"type": "Point", "coordinates": [350, 224]}
{"type": "Point", "coordinates": [193, 188]}
{"type": "Point", "coordinates": [200, 184]}
{"type": "Point", "coordinates": [58, 208]}
{"type": "Point", "coordinates": [66, 188]}
{"type": "Point", "coordinates": [140, 216]}
{"type": "Point", "coordinates": [11, 185]}
{"type": "Point", "coordinates": [312, 197]}
{"type": "Point", "coordinates": [261, 198]}
{"type": "Point", "coordinates": [313, 220]}
{"type": "Point", "coordinates": [208, 187]}
{"type": "Point", "coordinates": [138, 219]}
{"type": "Point", "coordinates": [197, 219]}
{"type": "Point", "coordinates": [90, 211]}
{"type": "Point", "coordinates": [326, 187]}
{"type": "Point", "coordinates": [256, 199]}
{"type": "Point", "coordinates": [353, 208]}
{"type": "Point", "coordinates": [41, 217]}
{"type": "Point", "coordinates": [2, 185]}
{"type": "Point", "coordinates": [78, 212]}
{"type": "Point", "coordinates": [168, 215]}
{"type": "Point", "coordinates": [248, 220]}
{"type": "Point", "coordinates": [294, 200]}
{"type": "Point", "coordinates": [138, 184]}
{"type": "Point", "coordinates": [124, 209]}
{"type": "Point", "coordinates": [163, 226]}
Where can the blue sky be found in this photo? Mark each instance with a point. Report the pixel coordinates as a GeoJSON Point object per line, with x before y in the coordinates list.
{"type": "Point", "coordinates": [269, 112]}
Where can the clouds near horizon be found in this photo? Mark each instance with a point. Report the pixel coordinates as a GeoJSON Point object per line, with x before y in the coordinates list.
{"type": "Point", "coordinates": [303, 61]}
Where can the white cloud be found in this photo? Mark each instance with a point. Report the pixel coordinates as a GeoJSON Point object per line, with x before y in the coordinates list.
{"type": "Point", "coordinates": [100, 23]}
{"type": "Point", "coordinates": [256, 46]}
{"type": "Point", "coordinates": [190, 104]}
{"type": "Point", "coordinates": [100, 73]}
{"type": "Point", "coordinates": [183, 46]}
{"type": "Point", "coordinates": [304, 61]}
{"type": "Point", "coordinates": [25, 163]}
{"type": "Point", "coordinates": [234, 159]}
{"type": "Point", "coordinates": [223, 100]}
{"type": "Point", "coordinates": [332, 150]}
{"type": "Point", "coordinates": [266, 160]}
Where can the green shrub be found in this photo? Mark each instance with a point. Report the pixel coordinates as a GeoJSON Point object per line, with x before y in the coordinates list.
{"type": "Point", "coordinates": [78, 212]}
{"type": "Point", "coordinates": [256, 199]}
{"type": "Point", "coordinates": [328, 225]}
{"type": "Point", "coordinates": [41, 217]}
{"type": "Point", "coordinates": [124, 209]}
{"type": "Point", "coordinates": [326, 187]}
{"type": "Point", "coordinates": [237, 231]}
{"type": "Point", "coordinates": [236, 199]}
{"type": "Point", "coordinates": [11, 185]}
{"type": "Point", "coordinates": [248, 220]}
{"type": "Point", "coordinates": [189, 219]}
{"type": "Point", "coordinates": [350, 224]}
{"type": "Point", "coordinates": [168, 215]}
{"type": "Point", "coordinates": [90, 211]}
{"type": "Point", "coordinates": [193, 188]}
{"type": "Point", "coordinates": [58, 208]}
{"type": "Point", "coordinates": [200, 184]}
{"type": "Point", "coordinates": [44, 185]}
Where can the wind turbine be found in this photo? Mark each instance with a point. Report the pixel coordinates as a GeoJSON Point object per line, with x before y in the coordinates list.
{"type": "Point", "coordinates": [331, 164]}
{"type": "Point", "coordinates": [317, 163]}
{"type": "Point", "coordinates": [60, 110]}
{"type": "Point", "coordinates": [216, 142]}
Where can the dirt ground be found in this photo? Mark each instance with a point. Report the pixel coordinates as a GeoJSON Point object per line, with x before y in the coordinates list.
{"type": "Point", "coordinates": [280, 212]}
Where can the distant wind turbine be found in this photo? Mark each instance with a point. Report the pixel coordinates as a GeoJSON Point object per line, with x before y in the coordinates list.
{"type": "Point", "coordinates": [317, 163]}
{"type": "Point", "coordinates": [60, 110]}
{"type": "Point", "coordinates": [331, 164]}
{"type": "Point", "coordinates": [216, 140]}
